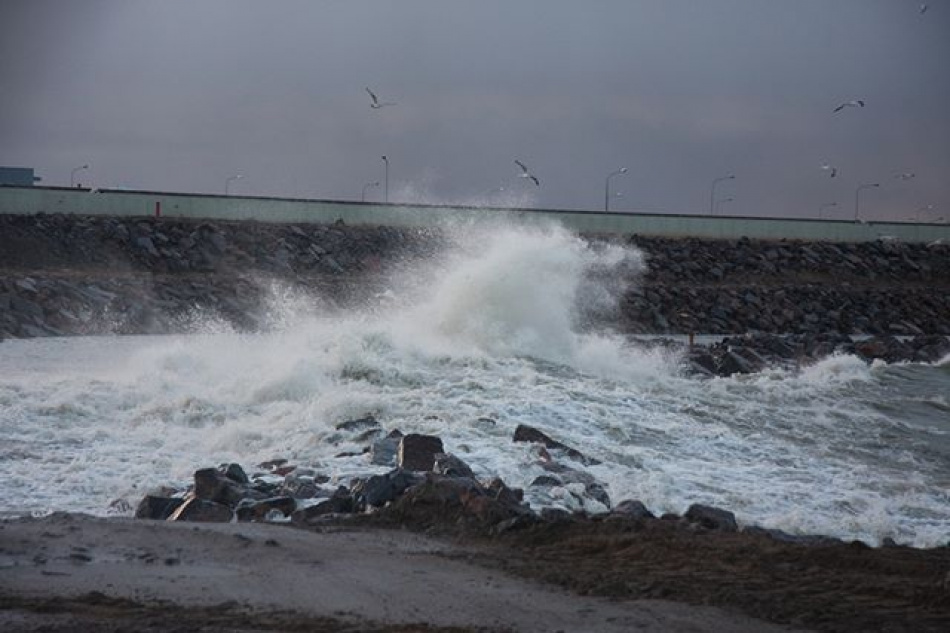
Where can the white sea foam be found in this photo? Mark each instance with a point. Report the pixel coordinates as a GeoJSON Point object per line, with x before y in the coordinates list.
{"type": "Point", "coordinates": [490, 334]}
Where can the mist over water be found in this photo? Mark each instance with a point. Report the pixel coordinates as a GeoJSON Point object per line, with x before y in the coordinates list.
{"type": "Point", "coordinates": [489, 335]}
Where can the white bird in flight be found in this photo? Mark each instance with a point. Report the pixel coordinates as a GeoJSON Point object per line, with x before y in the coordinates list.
{"type": "Point", "coordinates": [526, 174]}
{"type": "Point", "coordinates": [832, 169]}
{"type": "Point", "coordinates": [923, 9]}
{"type": "Point", "coordinates": [376, 104]}
{"type": "Point", "coordinates": [854, 103]}
{"type": "Point", "coordinates": [905, 176]}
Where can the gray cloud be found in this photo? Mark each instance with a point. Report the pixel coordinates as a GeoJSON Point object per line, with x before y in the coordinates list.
{"type": "Point", "coordinates": [179, 95]}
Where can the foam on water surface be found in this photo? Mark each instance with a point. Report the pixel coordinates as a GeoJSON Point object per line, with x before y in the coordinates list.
{"type": "Point", "coordinates": [486, 340]}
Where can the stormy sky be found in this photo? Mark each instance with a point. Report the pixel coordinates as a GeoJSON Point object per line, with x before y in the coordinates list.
{"type": "Point", "coordinates": [179, 95]}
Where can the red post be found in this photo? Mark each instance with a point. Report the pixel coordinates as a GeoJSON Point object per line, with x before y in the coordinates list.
{"type": "Point", "coordinates": [158, 208]}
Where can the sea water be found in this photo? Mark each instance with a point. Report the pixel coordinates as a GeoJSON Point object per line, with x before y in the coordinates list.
{"type": "Point", "coordinates": [490, 336]}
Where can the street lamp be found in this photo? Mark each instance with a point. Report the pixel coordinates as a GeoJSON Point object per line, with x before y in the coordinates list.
{"type": "Point", "coordinates": [227, 182]}
{"type": "Point", "coordinates": [367, 186]}
{"type": "Point", "coordinates": [857, 196]}
{"type": "Point", "coordinates": [723, 201]}
{"type": "Point", "coordinates": [386, 190]}
{"type": "Point", "coordinates": [712, 192]}
{"type": "Point", "coordinates": [622, 170]}
{"type": "Point", "coordinates": [825, 206]}
{"type": "Point", "coordinates": [72, 174]}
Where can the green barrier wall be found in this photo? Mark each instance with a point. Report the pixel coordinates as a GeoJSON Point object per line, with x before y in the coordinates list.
{"type": "Point", "coordinates": [32, 200]}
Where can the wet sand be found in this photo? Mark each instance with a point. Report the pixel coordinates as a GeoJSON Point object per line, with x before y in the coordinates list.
{"type": "Point", "coordinates": [73, 572]}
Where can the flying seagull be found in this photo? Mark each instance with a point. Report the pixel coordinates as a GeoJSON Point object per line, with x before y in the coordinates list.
{"type": "Point", "coordinates": [526, 174]}
{"type": "Point", "coordinates": [905, 176]}
{"type": "Point", "coordinates": [855, 103]}
{"type": "Point", "coordinates": [923, 9]}
{"type": "Point", "coordinates": [832, 169]}
{"type": "Point", "coordinates": [376, 105]}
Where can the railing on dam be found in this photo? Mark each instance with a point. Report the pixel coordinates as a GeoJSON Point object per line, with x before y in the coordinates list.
{"type": "Point", "coordinates": [120, 202]}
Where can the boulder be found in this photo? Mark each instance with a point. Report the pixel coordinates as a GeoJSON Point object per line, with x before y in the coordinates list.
{"type": "Point", "coordinates": [235, 473]}
{"type": "Point", "coordinates": [202, 511]}
{"type": "Point", "coordinates": [212, 485]}
{"type": "Point", "coordinates": [711, 518]}
{"type": "Point", "coordinates": [525, 433]}
{"type": "Point", "coordinates": [383, 452]}
{"type": "Point", "coordinates": [457, 501]}
{"type": "Point", "coordinates": [157, 508]}
{"type": "Point", "coordinates": [379, 490]}
{"type": "Point", "coordinates": [417, 452]}
{"type": "Point", "coordinates": [451, 466]}
{"type": "Point", "coordinates": [339, 503]}
{"type": "Point", "coordinates": [359, 424]}
{"type": "Point", "coordinates": [265, 509]}
{"type": "Point", "coordinates": [633, 509]}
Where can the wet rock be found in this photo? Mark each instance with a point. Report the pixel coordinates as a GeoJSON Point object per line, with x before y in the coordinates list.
{"type": "Point", "coordinates": [383, 452]}
{"type": "Point", "coordinates": [202, 511]}
{"type": "Point", "coordinates": [212, 485]}
{"type": "Point", "coordinates": [451, 466]}
{"type": "Point", "coordinates": [711, 518]}
{"type": "Point", "coordinates": [359, 424]}
{"type": "Point", "coordinates": [378, 490]}
{"type": "Point", "coordinates": [733, 363]}
{"type": "Point", "coordinates": [417, 452]}
{"type": "Point", "coordinates": [235, 473]}
{"type": "Point", "coordinates": [454, 501]}
{"type": "Point", "coordinates": [340, 502]}
{"type": "Point", "coordinates": [785, 537]}
{"type": "Point", "coordinates": [555, 515]}
{"type": "Point", "coordinates": [26, 307]}
{"type": "Point", "coordinates": [499, 490]}
{"type": "Point", "coordinates": [525, 433]}
{"type": "Point", "coordinates": [545, 481]}
{"type": "Point", "coordinates": [265, 509]}
{"type": "Point", "coordinates": [157, 508]}
{"type": "Point", "coordinates": [633, 509]}
{"type": "Point", "coordinates": [598, 493]}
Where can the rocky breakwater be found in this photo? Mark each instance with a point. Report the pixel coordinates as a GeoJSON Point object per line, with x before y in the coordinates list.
{"type": "Point", "coordinates": [66, 275]}
{"type": "Point", "coordinates": [740, 286]}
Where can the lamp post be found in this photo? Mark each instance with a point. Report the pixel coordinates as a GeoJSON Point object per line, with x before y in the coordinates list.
{"type": "Point", "coordinates": [857, 197]}
{"type": "Point", "coordinates": [227, 182]}
{"type": "Point", "coordinates": [826, 205]}
{"type": "Point", "coordinates": [367, 186]}
{"type": "Point", "coordinates": [723, 201]}
{"type": "Point", "coordinates": [72, 174]}
{"type": "Point", "coordinates": [712, 192]}
{"type": "Point", "coordinates": [386, 190]}
{"type": "Point", "coordinates": [622, 170]}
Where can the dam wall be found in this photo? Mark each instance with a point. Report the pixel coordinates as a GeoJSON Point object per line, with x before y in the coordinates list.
{"type": "Point", "coordinates": [127, 203]}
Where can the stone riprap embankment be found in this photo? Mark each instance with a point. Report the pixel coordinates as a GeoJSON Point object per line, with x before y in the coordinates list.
{"type": "Point", "coordinates": [65, 275]}
{"type": "Point", "coordinates": [738, 286]}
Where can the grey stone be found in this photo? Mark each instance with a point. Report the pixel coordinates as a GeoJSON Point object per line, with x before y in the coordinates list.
{"type": "Point", "coordinates": [711, 518]}
{"type": "Point", "coordinates": [203, 511]}
{"type": "Point", "coordinates": [451, 466]}
{"type": "Point", "coordinates": [633, 509]}
{"type": "Point", "coordinates": [157, 508]}
{"type": "Point", "coordinates": [417, 452]}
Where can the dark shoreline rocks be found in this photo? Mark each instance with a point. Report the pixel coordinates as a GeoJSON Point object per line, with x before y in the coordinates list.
{"type": "Point", "coordinates": [445, 501]}
{"type": "Point", "coordinates": [78, 275]}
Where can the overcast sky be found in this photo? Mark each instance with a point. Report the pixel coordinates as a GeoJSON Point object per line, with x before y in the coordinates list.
{"type": "Point", "coordinates": [178, 95]}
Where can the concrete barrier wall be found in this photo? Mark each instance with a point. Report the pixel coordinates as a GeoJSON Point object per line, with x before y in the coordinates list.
{"type": "Point", "coordinates": [31, 200]}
